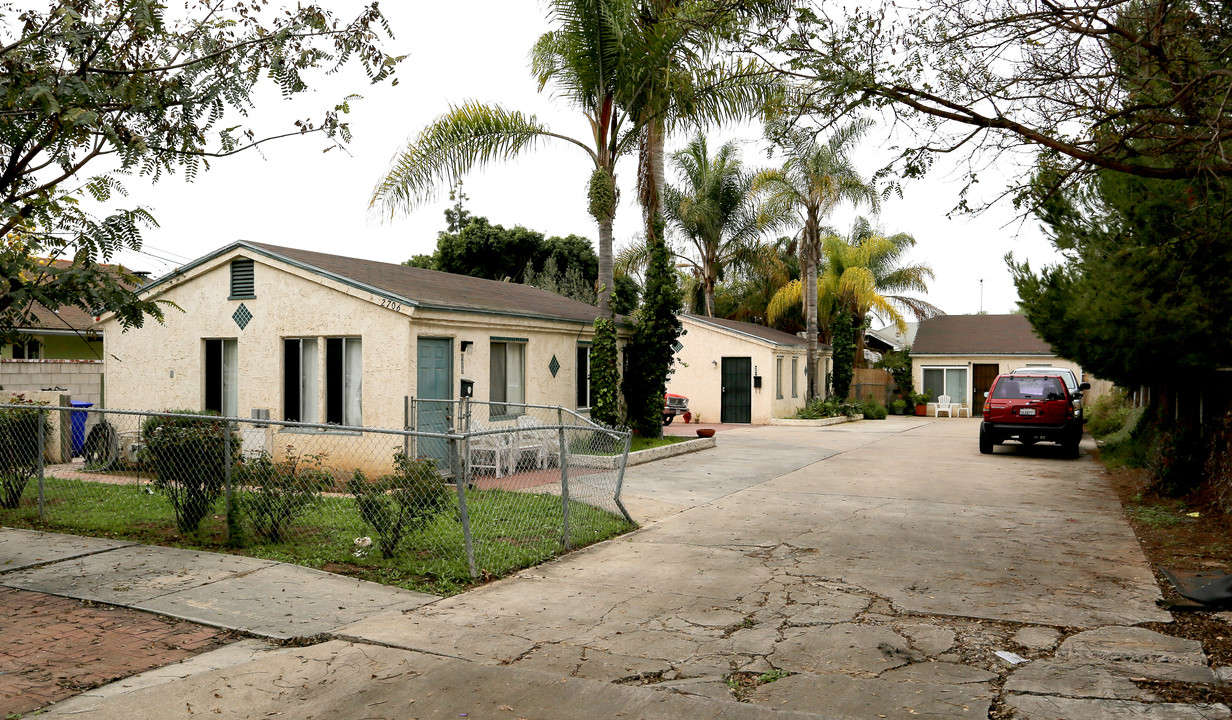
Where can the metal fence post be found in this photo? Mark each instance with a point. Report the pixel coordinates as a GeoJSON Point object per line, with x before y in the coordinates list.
{"type": "Point", "coordinates": [620, 477]}
{"type": "Point", "coordinates": [406, 425]}
{"type": "Point", "coordinates": [226, 474]}
{"type": "Point", "coordinates": [42, 447]}
{"type": "Point", "coordinates": [564, 478]}
{"type": "Point", "coordinates": [460, 483]}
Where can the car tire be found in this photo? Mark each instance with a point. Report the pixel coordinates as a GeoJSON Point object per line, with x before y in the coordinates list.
{"type": "Point", "coordinates": [1071, 447]}
{"type": "Point", "coordinates": [986, 441]}
{"type": "Point", "coordinates": [667, 419]}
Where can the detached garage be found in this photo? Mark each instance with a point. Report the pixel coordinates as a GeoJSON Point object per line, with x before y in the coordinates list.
{"type": "Point", "coordinates": [738, 372]}
{"type": "Point", "coordinates": [960, 355]}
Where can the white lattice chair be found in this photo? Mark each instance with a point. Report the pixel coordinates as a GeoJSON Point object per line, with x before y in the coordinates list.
{"type": "Point", "coordinates": [532, 437]}
{"type": "Point", "coordinates": [490, 452]}
{"type": "Point", "coordinates": [945, 406]}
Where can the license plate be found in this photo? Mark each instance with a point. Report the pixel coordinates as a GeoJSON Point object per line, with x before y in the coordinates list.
{"type": "Point", "coordinates": [1027, 412]}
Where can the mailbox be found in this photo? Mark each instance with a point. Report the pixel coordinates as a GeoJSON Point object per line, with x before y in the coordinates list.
{"type": "Point", "coordinates": [757, 381]}
{"type": "Point", "coordinates": [467, 389]}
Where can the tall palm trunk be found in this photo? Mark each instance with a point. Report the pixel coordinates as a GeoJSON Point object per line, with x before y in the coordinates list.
{"type": "Point", "coordinates": [810, 257]}
{"type": "Point", "coordinates": [607, 275]}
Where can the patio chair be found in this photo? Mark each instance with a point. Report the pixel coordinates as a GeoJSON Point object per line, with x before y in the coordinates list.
{"type": "Point", "coordinates": [945, 406]}
{"type": "Point", "coordinates": [531, 437]}
{"type": "Point", "coordinates": [490, 452]}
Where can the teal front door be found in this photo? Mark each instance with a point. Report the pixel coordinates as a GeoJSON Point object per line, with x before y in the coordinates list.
{"type": "Point", "coordinates": [434, 397]}
{"type": "Point", "coordinates": [737, 392]}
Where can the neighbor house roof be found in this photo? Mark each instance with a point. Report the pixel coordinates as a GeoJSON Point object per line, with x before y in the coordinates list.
{"type": "Point", "coordinates": [69, 319]}
{"type": "Point", "coordinates": [418, 287]}
{"type": "Point", "coordinates": [893, 338]}
{"type": "Point", "coordinates": [978, 335]}
{"type": "Point", "coordinates": [760, 332]}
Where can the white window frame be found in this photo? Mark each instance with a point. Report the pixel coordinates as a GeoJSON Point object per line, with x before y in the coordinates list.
{"type": "Point", "coordinates": [350, 413]}
{"type": "Point", "coordinates": [308, 380]}
{"type": "Point", "coordinates": [228, 403]}
{"type": "Point", "coordinates": [961, 397]}
{"type": "Point", "coordinates": [507, 398]}
{"type": "Point", "coordinates": [795, 376]}
{"type": "Point", "coordinates": [582, 381]}
{"type": "Point", "coordinates": [778, 378]}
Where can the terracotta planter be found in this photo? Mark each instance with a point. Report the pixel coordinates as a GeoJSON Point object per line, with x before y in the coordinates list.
{"type": "Point", "coordinates": [705, 432]}
{"type": "Point", "coordinates": [921, 410]}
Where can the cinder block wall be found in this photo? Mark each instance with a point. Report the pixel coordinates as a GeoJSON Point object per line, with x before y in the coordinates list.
{"type": "Point", "coordinates": [82, 379]}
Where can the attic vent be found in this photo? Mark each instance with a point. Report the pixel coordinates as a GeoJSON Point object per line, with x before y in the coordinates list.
{"type": "Point", "coordinates": [242, 284]}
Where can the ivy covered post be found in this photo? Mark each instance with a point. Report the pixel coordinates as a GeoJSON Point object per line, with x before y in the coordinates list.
{"type": "Point", "coordinates": [843, 342]}
{"type": "Point", "coordinates": [650, 349]}
{"type": "Point", "coordinates": [604, 377]}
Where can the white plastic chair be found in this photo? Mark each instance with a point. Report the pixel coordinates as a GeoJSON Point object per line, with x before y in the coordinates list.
{"type": "Point", "coordinates": [531, 438]}
{"type": "Point", "coordinates": [490, 452]}
{"type": "Point", "coordinates": [945, 406]}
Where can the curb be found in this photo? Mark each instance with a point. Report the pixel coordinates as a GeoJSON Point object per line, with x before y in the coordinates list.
{"type": "Point", "coordinates": [823, 422]}
{"type": "Point", "coordinates": [612, 462]}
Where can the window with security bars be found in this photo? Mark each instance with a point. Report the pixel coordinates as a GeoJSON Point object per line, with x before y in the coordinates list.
{"type": "Point", "coordinates": [243, 279]}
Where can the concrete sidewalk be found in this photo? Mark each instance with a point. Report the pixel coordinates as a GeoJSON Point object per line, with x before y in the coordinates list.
{"type": "Point", "coordinates": [867, 570]}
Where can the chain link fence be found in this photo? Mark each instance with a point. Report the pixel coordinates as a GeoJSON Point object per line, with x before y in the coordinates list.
{"type": "Point", "coordinates": [467, 490]}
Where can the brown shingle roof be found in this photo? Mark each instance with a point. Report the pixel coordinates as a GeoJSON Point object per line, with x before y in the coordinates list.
{"type": "Point", "coordinates": [429, 288]}
{"type": "Point", "coordinates": [778, 337]}
{"type": "Point", "coordinates": [68, 317]}
{"type": "Point", "coordinates": [978, 335]}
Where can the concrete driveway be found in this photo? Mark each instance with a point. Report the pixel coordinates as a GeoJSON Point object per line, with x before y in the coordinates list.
{"type": "Point", "coordinates": [867, 570]}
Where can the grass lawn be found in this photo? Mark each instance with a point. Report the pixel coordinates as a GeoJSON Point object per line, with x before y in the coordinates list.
{"type": "Point", "coordinates": [638, 443]}
{"type": "Point", "coordinates": [510, 530]}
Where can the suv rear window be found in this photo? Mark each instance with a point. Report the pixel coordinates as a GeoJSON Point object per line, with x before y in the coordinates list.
{"type": "Point", "coordinates": [1027, 388]}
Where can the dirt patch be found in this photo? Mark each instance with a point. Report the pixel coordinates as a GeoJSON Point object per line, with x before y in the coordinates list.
{"type": "Point", "coordinates": [1183, 534]}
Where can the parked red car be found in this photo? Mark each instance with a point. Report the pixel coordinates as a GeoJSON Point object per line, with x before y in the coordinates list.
{"type": "Point", "coordinates": [1030, 408]}
{"type": "Point", "coordinates": [674, 405]}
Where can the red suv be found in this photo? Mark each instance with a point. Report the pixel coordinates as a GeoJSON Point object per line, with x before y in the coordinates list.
{"type": "Point", "coordinates": [1030, 408]}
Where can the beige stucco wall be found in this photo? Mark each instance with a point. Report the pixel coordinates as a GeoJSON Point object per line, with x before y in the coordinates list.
{"type": "Point", "coordinates": [698, 372]}
{"type": "Point", "coordinates": [1004, 363]}
{"type": "Point", "coordinates": [162, 366]}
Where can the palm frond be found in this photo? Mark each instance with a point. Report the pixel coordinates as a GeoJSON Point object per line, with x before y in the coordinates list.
{"type": "Point", "coordinates": [468, 137]}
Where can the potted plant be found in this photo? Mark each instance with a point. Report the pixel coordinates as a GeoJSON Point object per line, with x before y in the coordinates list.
{"type": "Point", "coordinates": [921, 403]}
{"type": "Point", "coordinates": [899, 406]}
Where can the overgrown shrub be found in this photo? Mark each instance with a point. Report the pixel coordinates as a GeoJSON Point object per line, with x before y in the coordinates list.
{"type": "Point", "coordinates": [19, 449]}
{"type": "Point", "coordinates": [401, 502]}
{"type": "Point", "coordinates": [1175, 458]}
{"type": "Point", "coordinates": [828, 408]}
{"type": "Point", "coordinates": [189, 461]}
{"type": "Point", "coordinates": [1219, 463]}
{"type": "Point", "coordinates": [872, 409]}
{"type": "Point", "coordinates": [276, 493]}
{"type": "Point", "coordinates": [1108, 414]}
{"type": "Point", "coordinates": [898, 364]}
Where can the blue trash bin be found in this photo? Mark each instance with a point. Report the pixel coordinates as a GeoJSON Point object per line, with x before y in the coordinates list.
{"type": "Point", "coordinates": [79, 424]}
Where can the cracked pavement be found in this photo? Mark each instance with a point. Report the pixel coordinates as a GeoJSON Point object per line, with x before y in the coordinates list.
{"type": "Point", "coordinates": [867, 570]}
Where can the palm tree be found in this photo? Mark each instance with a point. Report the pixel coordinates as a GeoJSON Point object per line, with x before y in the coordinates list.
{"type": "Point", "coordinates": [715, 210]}
{"type": "Point", "coordinates": [815, 177]}
{"type": "Point", "coordinates": [863, 274]}
{"type": "Point", "coordinates": [584, 60]}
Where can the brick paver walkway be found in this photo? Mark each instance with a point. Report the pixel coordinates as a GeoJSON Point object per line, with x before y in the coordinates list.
{"type": "Point", "coordinates": [52, 648]}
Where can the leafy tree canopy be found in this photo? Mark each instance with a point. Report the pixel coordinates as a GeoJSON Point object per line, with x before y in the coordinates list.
{"type": "Point", "coordinates": [490, 251]}
{"type": "Point", "coordinates": [1141, 298]}
{"type": "Point", "coordinates": [1138, 86]}
{"type": "Point", "coordinates": [156, 90]}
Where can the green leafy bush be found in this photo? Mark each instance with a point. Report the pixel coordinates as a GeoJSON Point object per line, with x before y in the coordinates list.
{"type": "Point", "coordinates": [1108, 414]}
{"type": "Point", "coordinates": [19, 449]}
{"type": "Point", "coordinates": [187, 455]}
{"type": "Point", "coordinates": [1128, 445]}
{"type": "Point", "coordinates": [1175, 458]}
{"type": "Point", "coordinates": [1219, 463]}
{"type": "Point", "coordinates": [828, 408]}
{"type": "Point", "coordinates": [872, 409]}
{"type": "Point", "coordinates": [276, 493]}
{"type": "Point", "coordinates": [397, 504]}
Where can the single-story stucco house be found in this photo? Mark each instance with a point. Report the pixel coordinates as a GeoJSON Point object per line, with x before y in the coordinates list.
{"type": "Point", "coordinates": [738, 372]}
{"type": "Point", "coordinates": [960, 355]}
{"type": "Point", "coordinates": [320, 338]}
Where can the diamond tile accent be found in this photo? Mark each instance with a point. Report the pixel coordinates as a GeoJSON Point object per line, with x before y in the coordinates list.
{"type": "Point", "coordinates": [677, 347]}
{"type": "Point", "coordinates": [554, 366]}
{"type": "Point", "coordinates": [242, 316]}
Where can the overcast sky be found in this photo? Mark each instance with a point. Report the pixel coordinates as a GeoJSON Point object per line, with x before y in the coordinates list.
{"type": "Point", "coordinates": [294, 194]}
